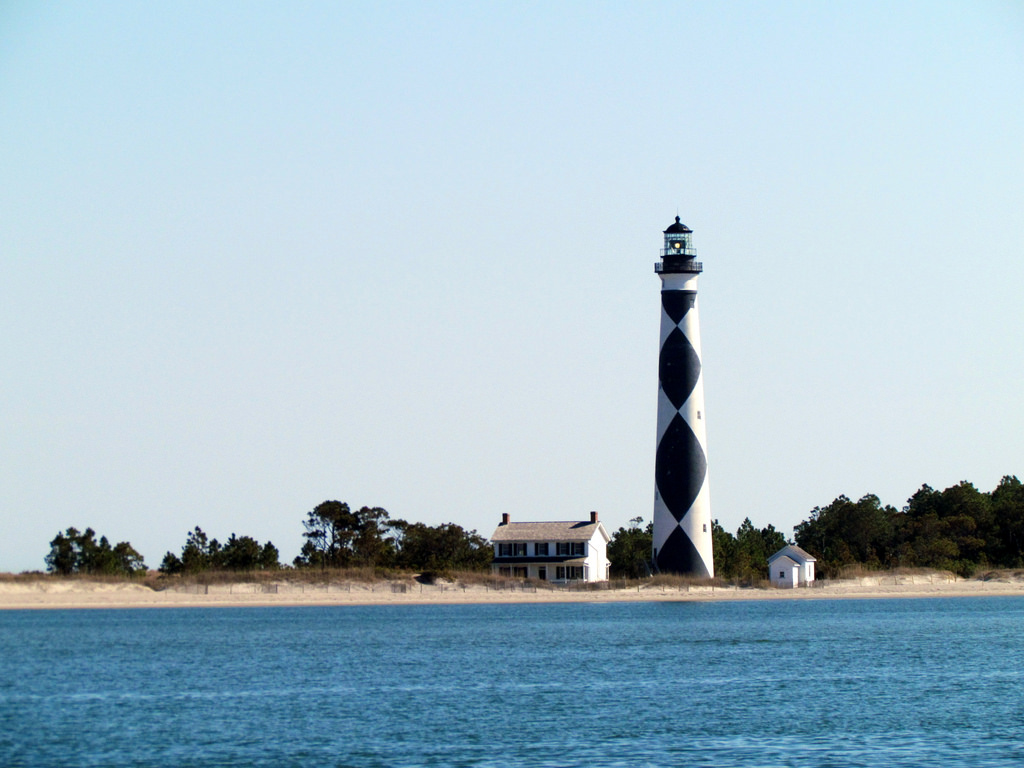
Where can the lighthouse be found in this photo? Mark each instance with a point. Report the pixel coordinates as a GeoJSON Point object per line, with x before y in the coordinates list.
{"type": "Point", "coordinates": [682, 505]}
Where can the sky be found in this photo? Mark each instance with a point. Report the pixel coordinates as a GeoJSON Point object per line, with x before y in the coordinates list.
{"type": "Point", "coordinates": [257, 255]}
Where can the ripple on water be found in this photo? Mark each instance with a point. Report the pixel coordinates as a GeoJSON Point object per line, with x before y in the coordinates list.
{"type": "Point", "coordinates": [844, 683]}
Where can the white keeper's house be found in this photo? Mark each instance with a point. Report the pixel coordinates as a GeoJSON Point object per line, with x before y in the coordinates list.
{"type": "Point", "coordinates": [791, 567]}
{"type": "Point", "coordinates": [569, 551]}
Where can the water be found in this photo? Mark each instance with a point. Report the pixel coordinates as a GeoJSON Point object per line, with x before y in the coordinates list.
{"type": "Point", "coordinates": [769, 683]}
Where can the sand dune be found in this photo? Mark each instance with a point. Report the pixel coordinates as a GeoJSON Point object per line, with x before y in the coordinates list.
{"type": "Point", "coordinates": [81, 593]}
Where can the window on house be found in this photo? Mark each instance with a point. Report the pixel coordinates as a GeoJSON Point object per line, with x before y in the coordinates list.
{"type": "Point", "coordinates": [542, 574]}
{"type": "Point", "coordinates": [504, 570]}
{"type": "Point", "coordinates": [568, 572]}
{"type": "Point", "coordinates": [782, 574]}
{"type": "Point", "coordinates": [541, 548]}
{"type": "Point", "coordinates": [519, 549]}
{"type": "Point", "coordinates": [562, 549]}
{"type": "Point", "coordinates": [504, 550]}
{"type": "Point", "coordinates": [578, 548]}
{"type": "Point", "coordinates": [519, 573]}
{"type": "Point", "coordinates": [705, 527]}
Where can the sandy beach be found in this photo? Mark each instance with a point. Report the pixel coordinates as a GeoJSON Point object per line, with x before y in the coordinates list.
{"type": "Point", "coordinates": [80, 593]}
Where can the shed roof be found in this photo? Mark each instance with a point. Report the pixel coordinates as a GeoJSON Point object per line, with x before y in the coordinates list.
{"type": "Point", "coordinates": [793, 552]}
{"type": "Point", "coordinates": [564, 531]}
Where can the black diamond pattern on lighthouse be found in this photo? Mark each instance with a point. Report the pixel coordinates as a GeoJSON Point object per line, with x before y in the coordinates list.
{"type": "Point", "coordinates": [679, 367]}
{"type": "Point", "coordinates": [680, 467]}
{"type": "Point", "coordinates": [682, 537]}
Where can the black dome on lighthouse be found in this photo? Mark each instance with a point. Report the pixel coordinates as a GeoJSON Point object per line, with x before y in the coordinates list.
{"type": "Point", "coordinates": [677, 228]}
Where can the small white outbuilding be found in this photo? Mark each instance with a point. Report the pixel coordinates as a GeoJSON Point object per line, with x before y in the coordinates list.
{"type": "Point", "coordinates": [791, 567]}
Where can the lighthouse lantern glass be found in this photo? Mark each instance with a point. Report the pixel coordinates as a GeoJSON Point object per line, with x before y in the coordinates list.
{"type": "Point", "coordinates": [677, 243]}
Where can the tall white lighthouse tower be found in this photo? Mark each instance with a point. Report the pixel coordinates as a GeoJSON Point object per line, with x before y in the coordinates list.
{"type": "Point", "coordinates": [682, 504]}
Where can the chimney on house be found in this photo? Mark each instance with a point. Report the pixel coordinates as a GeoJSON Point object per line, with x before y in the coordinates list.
{"type": "Point", "coordinates": [593, 517]}
{"type": "Point", "coordinates": [504, 518]}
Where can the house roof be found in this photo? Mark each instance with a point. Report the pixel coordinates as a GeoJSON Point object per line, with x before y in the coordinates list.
{"type": "Point", "coordinates": [565, 531]}
{"type": "Point", "coordinates": [794, 553]}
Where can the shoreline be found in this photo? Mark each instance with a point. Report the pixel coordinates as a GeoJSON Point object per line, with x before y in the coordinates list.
{"type": "Point", "coordinates": [72, 594]}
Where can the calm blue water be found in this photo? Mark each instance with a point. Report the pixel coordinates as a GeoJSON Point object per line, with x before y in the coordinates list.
{"type": "Point", "coordinates": [786, 683]}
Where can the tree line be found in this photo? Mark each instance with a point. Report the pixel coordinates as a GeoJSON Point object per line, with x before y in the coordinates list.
{"type": "Point", "coordinates": [77, 551]}
{"type": "Point", "coordinates": [238, 553]}
{"type": "Point", "coordinates": [336, 536]}
{"type": "Point", "coordinates": [339, 537]}
{"type": "Point", "coordinates": [743, 556]}
{"type": "Point", "coordinates": [960, 529]}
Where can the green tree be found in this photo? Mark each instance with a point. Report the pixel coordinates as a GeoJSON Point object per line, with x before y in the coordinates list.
{"type": "Point", "coordinates": [329, 529]}
{"type": "Point", "coordinates": [958, 529]}
{"type": "Point", "coordinates": [171, 564]}
{"type": "Point", "coordinates": [1007, 506]}
{"type": "Point", "coordinates": [63, 557]}
{"type": "Point", "coordinates": [269, 557]}
{"type": "Point", "coordinates": [337, 537]}
{"type": "Point", "coordinates": [846, 532]}
{"type": "Point", "coordinates": [240, 553]}
{"type": "Point", "coordinates": [370, 544]}
{"type": "Point", "coordinates": [750, 550]}
{"type": "Point", "coordinates": [439, 548]}
{"type": "Point", "coordinates": [79, 552]}
{"type": "Point", "coordinates": [201, 553]}
{"type": "Point", "coordinates": [92, 554]}
{"type": "Point", "coordinates": [979, 537]}
{"type": "Point", "coordinates": [629, 551]}
{"type": "Point", "coordinates": [723, 546]}
{"type": "Point", "coordinates": [128, 558]}
{"type": "Point", "coordinates": [954, 529]}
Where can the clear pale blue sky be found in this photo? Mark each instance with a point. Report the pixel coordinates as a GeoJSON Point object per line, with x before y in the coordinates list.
{"type": "Point", "coordinates": [259, 255]}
